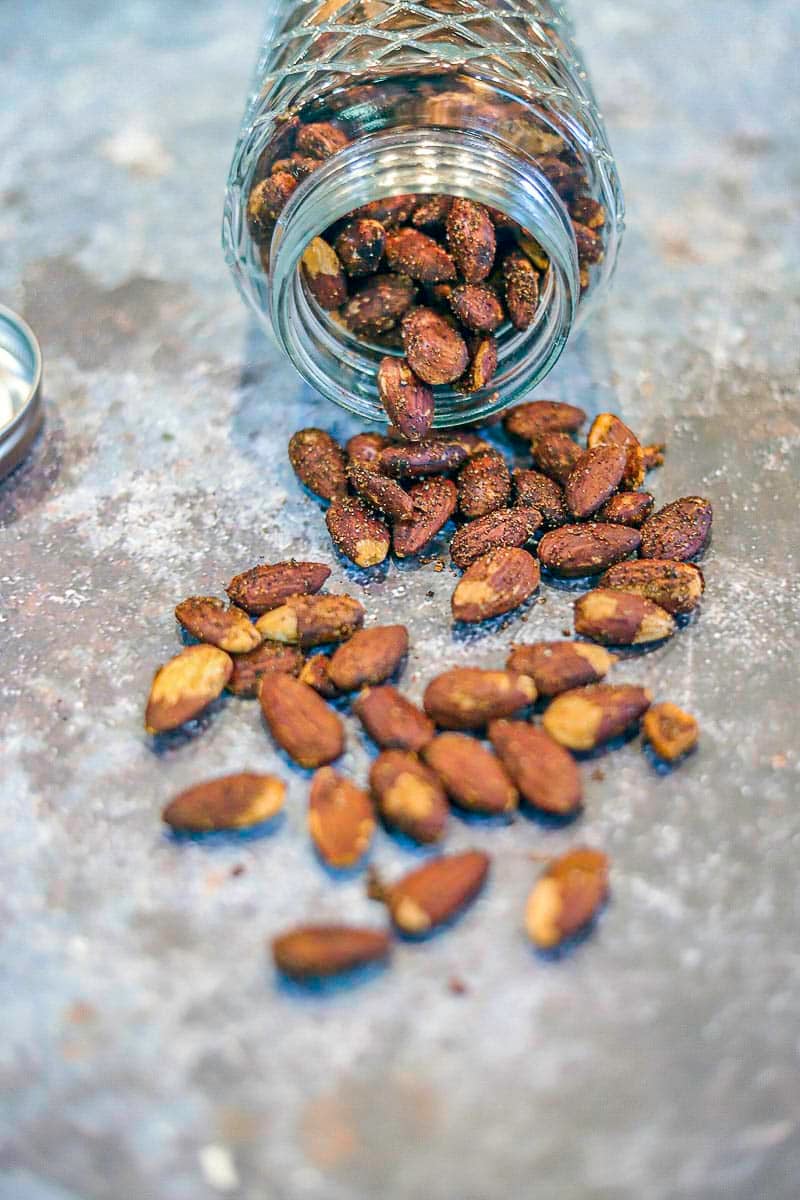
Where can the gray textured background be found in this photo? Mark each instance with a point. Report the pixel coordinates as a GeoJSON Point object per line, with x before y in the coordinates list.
{"type": "Point", "coordinates": [146, 1052]}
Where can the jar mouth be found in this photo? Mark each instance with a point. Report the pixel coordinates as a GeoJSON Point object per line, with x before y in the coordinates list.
{"type": "Point", "coordinates": [342, 366]}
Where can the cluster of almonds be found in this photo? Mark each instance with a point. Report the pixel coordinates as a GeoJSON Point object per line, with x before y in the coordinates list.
{"type": "Point", "coordinates": [473, 745]}
{"type": "Point", "coordinates": [437, 275]}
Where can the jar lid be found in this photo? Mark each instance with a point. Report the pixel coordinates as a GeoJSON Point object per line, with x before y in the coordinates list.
{"type": "Point", "coordinates": [20, 389]}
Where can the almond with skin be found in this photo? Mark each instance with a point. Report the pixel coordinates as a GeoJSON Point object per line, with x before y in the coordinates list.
{"type": "Point", "coordinates": [407, 400]}
{"type": "Point", "coordinates": [588, 211]}
{"type": "Point", "coordinates": [231, 802]}
{"type": "Point", "coordinates": [532, 489]}
{"type": "Point", "coordinates": [678, 531]}
{"type": "Point", "coordinates": [391, 720]}
{"type": "Point", "coordinates": [670, 731]}
{"type": "Point", "coordinates": [315, 674]}
{"type": "Point", "coordinates": [608, 430]}
{"type": "Point", "coordinates": [435, 350]}
{"type": "Point", "coordinates": [587, 717]}
{"type": "Point", "coordinates": [318, 462]}
{"type": "Point", "coordinates": [566, 898]}
{"type": "Point", "coordinates": [546, 775]}
{"type": "Point", "coordinates": [504, 527]}
{"type": "Point", "coordinates": [555, 454]}
{"type": "Point", "coordinates": [321, 139]}
{"type": "Point", "coordinates": [559, 666]}
{"type": "Point", "coordinates": [470, 697]}
{"type": "Point", "coordinates": [323, 274]}
{"type": "Point", "coordinates": [390, 211]}
{"type": "Point", "coordinates": [265, 204]}
{"type": "Point", "coordinates": [471, 239]}
{"type": "Point", "coordinates": [308, 621]}
{"type": "Point", "coordinates": [341, 820]}
{"type": "Point", "coordinates": [589, 243]}
{"type": "Point", "coordinates": [413, 253]}
{"type": "Point", "coordinates": [484, 484]}
{"type": "Point", "coordinates": [431, 212]}
{"type": "Point", "coordinates": [409, 796]}
{"type": "Point", "coordinates": [521, 282]}
{"type": "Point", "coordinates": [595, 477]}
{"type": "Point", "coordinates": [298, 165]}
{"type": "Point", "coordinates": [627, 508]}
{"type": "Point", "coordinates": [617, 618]}
{"type": "Point", "coordinates": [482, 365]}
{"type": "Point", "coordinates": [369, 657]}
{"type": "Point", "coordinates": [472, 776]}
{"type": "Point", "coordinates": [300, 721]}
{"type": "Point", "coordinates": [495, 583]}
{"type": "Point", "coordinates": [535, 417]}
{"type": "Point", "coordinates": [323, 951]}
{"type": "Point", "coordinates": [477, 307]}
{"type": "Point", "coordinates": [249, 669]}
{"type": "Point", "coordinates": [360, 246]}
{"type": "Point", "coordinates": [364, 449]}
{"type": "Point", "coordinates": [207, 618]}
{"type": "Point", "coordinates": [434, 502]}
{"type": "Point", "coordinates": [185, 686]}
{"type": "Point", "coordinates": [382, 492]}
{"type": "Point", "coordinates": [379, 305]}
{"type": "Point", "coordinates": [415, 460]}
{"type": "Point", "coordinates": [436, 892]}
{"type": "Point", "coordinates": [577, 550]}
{"type": "Point", "coordinates": [675, 586]}
{"type": "Point", "coordinates": [268, 586]}
{"type": "Point", "coordinates": [357, 533]}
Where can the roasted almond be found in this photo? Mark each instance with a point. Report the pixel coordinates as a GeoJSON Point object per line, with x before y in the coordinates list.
{"type": "Point", "coordinates": [471, 774]}
{"type": "Point", "coordinates": [184, 686]}
{"type": "Point", "coordinates": [595, 477]}
{"type": "Point", "coordinates": [555, 454]}
{"type": "Point", "coordinates": [390, 210]}
{"type": "Point", "coordinates": [521, 283]}
{"type": "Point", "coordinates": [413, 253]}
{"type": "Point", "coordinates": [323, 274]}
{"type": "Point", "coordinates": [369, 657]}
{"type": "Point", "coordinates": [588, 717]}
{"type": "Point", "coordinates": [504, 527]}
{"type": "Point", "coordinates": [532, 489]}
{"type": "Point", "coordinates": [471, 239]}
{"type": "Point", "coordinates": [566, 897]}
{"type": "Point", "coordinates": [608, 430]}
{"type": "Point", "coordinates": [535, 417]}
{"type": "Point", "coordinates": [476, 306]}
{"type": "Point", "coordinates": [300, 721]}
{"type": "Point", "coordinates": [653, 456]}
{"type": "Point", "coordinates": [482, 365]}
{"type": "Point", "coordinates": [407, 400]}
{"type": "Point", "coordinates": [678, 531]}
{"type": "Point", "coordinates": [360, 246]}
{"type": "Point", "coordinates": [559, 666]}
{"type": "Point", "coordinates": [318, 462]}
{"type": "Point", "coordinates": [207, 618]}
{"type": "Point", "coordinates": [232, 802]}
{"type": "Point", "coordinates": [675, 586]}
{"type": "Point", "coordinates": [670, 731]}
{"type": "Point", "coordinates": [431, 212]}
{"type": "Point", "coordinates": [298, 165]}
{"type": "Point", "coordinates": [484, 484]}
{"type": "Point", "coordinates": [312, 620]}
{"type": "Point", "coordinates": [267, 586]}
{"type": "Point", "coordinates": [589, 243]}
{"type": "Point", "coordinates": [414, 460]}
{"type": "Point", "coordinates": [434, 502]}
{"type": "Point", "coordinates": [357, 533]}
{"type": "Point", "coordinates": [470, 697]}
{"type": "Point", "coordinates": [379, 304]}
{"type": "Point", "coordinates": [409, 796]}
{"type": "Point", "coordinates": [321, 139]}
{"type": "Point", "coordinates": [382, 492]}
{"type": "Point", "coordinates": [322, 951]}
{"type": "Point", "coordinates": [436, 892]}
{"type": "Point", "coordinates": [627, 508]}
{"type": "Point", "coordinates": [315, 674]}
{"type": "Point", "coordinates": [621, 618]}
{"type": "Point", "coordinates": [364, 449]}
{"type": "Point", "coordinates": [250, 668]}
{"type": "Point", "coordinates": [435, 350]}
{"type": "Point", "coordinates": [495, 583]}
{"type": "Point", "coordinates": [393, 721]}
{"type": "Point", "coordinates": [265, 204]}
{"type": "Point", "coordinates": [545, 774]}
{"type": "Point", "coordinates": [577, 550]}
{"type": "Point", "coordinates": [588, 211]}
{"type": "Point", "coordinates": [341, 821]}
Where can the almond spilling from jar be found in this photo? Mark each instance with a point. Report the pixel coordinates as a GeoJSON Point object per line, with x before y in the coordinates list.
{"type": "Point", "coordinates": [559, 666]}
{"type": "Point", "coordinates": [249, 669]}
{"type": "Point", "coordinates": [382, 492]}
{"type": "Point", "coordinates": [521, 282]}
{"type": "Point", "coordinates": [323, 951]}
{"type": "Point", "coordinates": [357, 533]}
{"type": "Point", "coordinates": [588, 717]}
{"type": "Point", "coordinates": [300, 721]}
{"type": "Point", "coordinates": [378, 305]}
{"type": "Point", "coordinates": [471, 239]}
{"type": "Point", "coordinates": [231, 802]}
{"type": "Point", "coordinates": [495, 583]}
{"type": "Point", "coordinates": [470, 697]}
{"type": "Point", "coordinates": [545, 774]}
{"type": "Point", "coordinates": [567, 897]}
{"type": "Point", "coordinates": [482, 365]}
{"type": "Point", "coordinates": [617, 618]}
{"type": "Point", "coordinates": [532, 489]}
{"type": "Point", "coordinates": [577, 550]}
{"type": "Point", "coordinates": [536, 417]}
{"type": "Point", "coordinates": [678, 531]}
{"type": "Point", "coordinates": [318, 462]}
{"type": "Point", "coordinates": [265, 204]}
{"type": "Point", "coordinates": [484, 484]}
{"type": "Point", "coordinates": [435, 350]}
{"type": "Point", "coordinates": [322, 271]}
{"type": "Point", "coordinates": [477, 307]}
{"type": "Point", "coordinates": [595, 477]}
{"type": "Point", "coordinates": [675, 586]}
{"type": "Point", "coordinates": [627, 508]}
{"type": "Point", "coordinates": [670, 731]}
{"type": "Point", "coordinates": [434, 502]}
{"type": "Point", "coordinates": [504, 527]}
{"type": "Point", "coordinates": [415, 460]}
{"type": "Point", "coordinates": [436, 892]}
{"type": "Point", "coordinates": [315, 675]}
{"type": "Point", "coordinates": [207, 619]}
{"type": "Point", "coordinates": [360, 246]}
{"type": "Point", "coordinates": [409, 796]}
{"type": "Point", "coordinates": [312, 620]}
{"type": "Point", "coordinates": [407, 400]}
{"type": "Point", "coordinates": [268, 586]}
{"type": "Point", "coordinates": [185, 686]}
{"type": "Point", "coordinates": [369, 657]}
{"type": "Point", "coordinates": [472, 776]}
{"type": "Point", "coordinates": [341, 821]}
{"type": "Point", "coordinates": [391, 720]}
{"type": "Point", "coordinates": [555, 454]}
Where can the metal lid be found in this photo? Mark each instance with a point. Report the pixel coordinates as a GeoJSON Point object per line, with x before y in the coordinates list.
{"type": "Point", "coordinates": [20, 389]}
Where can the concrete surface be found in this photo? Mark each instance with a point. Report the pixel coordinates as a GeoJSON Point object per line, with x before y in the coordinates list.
{"type": "Point", "coordinates": [147, 1053]}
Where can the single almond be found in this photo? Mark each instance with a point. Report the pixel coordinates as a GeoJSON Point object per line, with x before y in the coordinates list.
{"type": "Point", "coordinates": [207, 618]}
{"type": "Point", "coordinates": [434, 893]}
{"type": "Point", "coordinates": [390, 210]}
{"type": "Point", "coordinates": [409, 796]}
{"type": "Point", "coordinates": [535, 417]}
{"type": "Point", "coordinates": [318, 462]}
{"type": "Point", "coordinates": [300, 721]}
{"type": "Point", "coordinates": [627, 508]}
{"type": "Point", "coordinates": [435, 350]}
{"type": "Point", "coordinates": [675, 586]}
{"type": "Point", "coordinates": [521, 283]}
{"type": "Point", "coordinates": [495, 583]}
{"type": "Point", "coordinates": [391, 720]}
{"type": "Point", "coordinates": [322, 271]}
{"type": "Point", "coordinates": [434, 502]}
{"type": "Point", "coordinates": [415, 460]}
{"type": "Point", "coordinates": [383, 493]}
{"type": "Point", "coordinates": [249, 669]}
{"type": "Point", "coordinates": [321, 139]}
{"type": "Point", "coordinates": [670, 731]}
{"type": "Point", "coordinates": [471, 239]}
{"type": "Point", "coordinates": [472, 776]}
{"type": "Point", "coordinates": [577, 550]}
{"type": "Point", "coordinates": [407, 400]}
{"type": "Point", "coordinates": [477, 307]}
{"type": "Point", "coordinates": [555, 454]}
{"type": "Point", "coordinates": [470, 697]}
{"type": "Point", "coordinates": [309, 621]}
{"type": "Point", "coordinates": [504, 527]}
{"type": "Point", "coordinates": [532, 489]}
{"type": "Point", "coordinates": [186, 685]}
{"type": "Point", "coordinates": [357, 533]}
{"type": "Point", "coordinates": [482, 365]}
{"type": "Point", "coordinates": [559, 666]}
{"type": "Point", "coordinates": [484, 484]}
{"type": "Point", "coordinates": [617, 618]}
{"type": "Point", "coordinates": [595, 477]}
{"type": "Point", "coordinates": [341, 821]}
{"type": "Point", "coordinates": [378, 306]}
{"type": "Point", "coordinates": [322, 951]}
{"type": "Point", "coordinates": [545, 774]}
{"type": "Point", "coordinates": [678, 531]}
{"type": "Point", "coordinates": [369, 657]}
{"type": "Point", "coordinates": [231, 802]}
{"type": "Point", "coordinates": [567, 897]}
{"type": "Point", "coordinates": [360, 246]}
{"type": "Point", "coordinates": [265, 204]}
{"type": "Point", "coordinates": [413, 253]}
{"type": "Point", "coordinates": [268, 585]}
{"type": "Point", "coordinates": [587, 717]}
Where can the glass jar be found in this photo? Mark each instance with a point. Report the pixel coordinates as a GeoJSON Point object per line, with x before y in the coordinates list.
{"type": "Point", "coordinates": [483, 99]}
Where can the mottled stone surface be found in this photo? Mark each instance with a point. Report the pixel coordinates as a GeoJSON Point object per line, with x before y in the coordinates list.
{"type": "Point", "coordinates": [147, 1051]}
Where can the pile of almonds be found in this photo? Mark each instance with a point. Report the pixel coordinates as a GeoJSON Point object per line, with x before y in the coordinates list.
{"type": "Point", "coordinates": [473, 746]}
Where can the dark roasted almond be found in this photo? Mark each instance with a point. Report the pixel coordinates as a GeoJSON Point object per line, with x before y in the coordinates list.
{"type": "Point", "coordinates": [298, 165]}
{"type": "Point", "coordinates": [413, 460]}
{"type": "Point", "coordinates": [566, 177]}
{"type": "Point", "coordinates": [431, 212]}
{"type": "Point", "coordinates": [321, 139]}
{"type": "Point", "coordinates": [617, 618]}
{"type": "Point", "coordinates": [186, 685]}
{"type": "Point", "coordinates": [472, 776]}
{"type": "Point", "coordinates": [357, 533]}
{"type": "Point", "coordinates": [494, 584]}
{"type": "Point", "coordinates": [588, 211]}
{"type": "Point", "coordinates": [435, 350]}
{"type": "Point", "coordinates": [391, 720]}
{"type": "Point", "coordinates": [265, 204]}
{"type": "Point", "coordinates": [588, 717]}
{"type": "Point", "coordinates": [411, 252]}
{"type": "Point", "coordinates": [589, 243]}
{"type": "Point", "coordinates": [576, 550]}
{"type": "Point", "coordinates": [315, 674]}
{"type": "Point", "coordinates": [559, 666]}
{"type": "Point", "coordinates": [409, 796]}
{"type": "Point", "coordinates": [318, 462]}
{"type": "Point", "coordinates": [504, 527]}
{"type": "Point", "coordinates": [471, 239]}
{"type": "Point", "coordinates": [670, 731]}
{"type": "Point", "coordinates": [521, 282]}
{"type": "Point", "coordinates": [608, 430]}
{"type": "Point", "coordinates": [249, 669]}
{"type": "Point", "coordinates": [546, 776]}
{"type": "Point", "coordinates": [436, 892]}
{"type": "Point", "coordinates": [312, 620]}
{"type": "Point", "coordinates": [369, 657]}
{"type": "Point", "coordinates": [365, 449]}
{"type": "Point", "coordinates": [484, 484]}
{"type": "Point", "coordinates": [434, 503]}
{"type": "Point", "coordinates": [482, 365]}
{"type": "Point", "coordinates": [532, 489]}
{"type": "Point", "coordinates": [470, 697]}
{"type": "Point", "coordinates": [390, 211]}
{"type": "Point", "coordinates": [382, 492]}
{"type": "Point", "coordinates": [407, 400]}
{"type": "Point", "coordinates": [300, 721]}
{"type": "Point", "coordinates": [379, 304]}
{"type": "Point", "coordinates": [322, 951]}
{"type": "Point", "coordinates": [323, 274]}
{"type": "Point", "coordinates": [231, 802]}
{"type": "Point", "coordinates": [341, 820]}
{"type": "Point", "coordinates": [477, 307]}
{"type": "Point", "coordinates": [207, 619]}
{"type": "Point", "coordinates": [535, 417]}
{"type": "Point", "coordinates": [555, 454]}
{"type": "Point", "coordinates": [268, 585]}
{"type": "Point", "coordinates": [627, 508]}
{"type": "Point", "coordinates": [566, 897]}
{"type": "Point", "coordinates": [595, 477]}
{"type": "Point", "coordinates": [360, 246]}
{"type": "Point", "coordinates": [675, 586]}
{"type": "Point", "coordinates": [678, 531]}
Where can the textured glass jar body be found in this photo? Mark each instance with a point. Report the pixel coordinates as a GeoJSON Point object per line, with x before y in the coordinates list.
{"type": "Point", "coordinates": [485, 99]}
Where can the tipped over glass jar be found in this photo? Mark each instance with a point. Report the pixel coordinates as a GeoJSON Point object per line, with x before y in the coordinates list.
{"type": "Point", "coordinates": [422, 192]}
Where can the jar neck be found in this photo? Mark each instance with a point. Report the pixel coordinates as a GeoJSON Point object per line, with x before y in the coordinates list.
{"type": "Point", "coordinates": [474, 165]}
